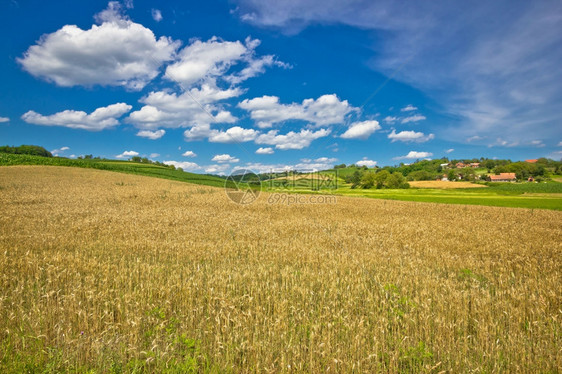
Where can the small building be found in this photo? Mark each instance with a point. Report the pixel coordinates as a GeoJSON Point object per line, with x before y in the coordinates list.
{"type": "Point", "coordinates": [444, 178]}
{"type": "Point", "coordinates": [444, 166]}
{"type": "Point", "coordinates": [503, 177]}
{"type": "Point", "coordinates": [474, 164]}
{"type": "Point", "coordinates": [532, 161]}
{"type": "Point", "coordinates": [460, 165]}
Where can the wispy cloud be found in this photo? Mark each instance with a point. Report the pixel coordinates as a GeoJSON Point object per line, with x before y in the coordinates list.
{"type": "Point", "coordinates": [503, 81]}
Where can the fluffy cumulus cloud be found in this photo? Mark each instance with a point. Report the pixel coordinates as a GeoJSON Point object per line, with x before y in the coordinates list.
{"type": "Point", "coordinates": [117, 52]}
{"type": "Point", "coordinates": [219, 169]}
{"type": "Point", "coordinates": [59, 151]}
{"type": "Point", "coordinates": [234, 134]}
{"type": "Point", "coordinates": [127, 154]}
{"type": "Point", "coordinates": [151, 134]}
{"type": "Point", "coordinates": [366, 162]}
{"type": "Point", "coordinates": [326, 110]}
{"type": "Point", "coordinates": [189, 154]}
{"type": "Point", "coordinates": [185, 165]}
{"type": "Point", "coordinates": [413, 155]}
{"type": "Point", "coordinates": [410, 136]}
{"type": "Point", "coordinates": [265, 151]}
{"type": "Point", "coordinates": [225, 158]}
{"type": "Point", "coordinates": [207, 61]}
{"type": "Point", "coordinates": [99, 119]}
{"type": "Point", "coordinates": [291, 140]}
{"type": "Point", "coordinates": [4, 119]}
{"type": "Point", "coordinates": [195, 107]}
{"type": "Point", "coordinates": [361, 130]}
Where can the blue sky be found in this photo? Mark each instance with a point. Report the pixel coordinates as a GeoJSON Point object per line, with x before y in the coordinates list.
{"type": "Point", "coordinates": [213, 86]}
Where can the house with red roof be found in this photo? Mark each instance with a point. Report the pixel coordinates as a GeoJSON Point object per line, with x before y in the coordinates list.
{"type": "Point", "coordinates": [503, 177]}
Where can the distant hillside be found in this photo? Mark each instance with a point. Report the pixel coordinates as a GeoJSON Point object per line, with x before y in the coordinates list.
{"type": "Point", "coordinates": [129, 167]}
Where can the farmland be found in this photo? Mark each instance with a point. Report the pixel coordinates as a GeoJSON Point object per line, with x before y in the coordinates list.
{"type": "Point", "coordinates": [111, 272]}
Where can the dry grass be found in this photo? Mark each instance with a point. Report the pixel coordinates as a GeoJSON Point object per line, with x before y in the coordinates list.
{"type": "Point", "coordinates": [115, 272]}
{"type": "Point", "coordinates": [444, 184]}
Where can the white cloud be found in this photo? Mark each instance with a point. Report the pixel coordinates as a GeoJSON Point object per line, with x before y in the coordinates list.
{"type": "Point", "coordinates": [255, 67]}
{"type": "Point", "coordinates": [234, 134]}
{"type": "Point", "coordinates": [559, 144]}
{"type": "Point", "coordinates": [450, 150]}
{"type": "Point", "coordinates": [291, 140]}
{"type": "Point", "coordinates": [207, 61]}
{"type": "Point", "coordinates": [225, 158]}
{"type": "Point", "coordinates": [408, 108]}
{"type": "Point", "coordinates": [414, 118]}
{"type": "Point", "coordinates": [474, 138]}
{"type": "Point", "coordinates": [151, 134]}
{"type": "Point", "coordinates": [58, 151]}
{"type": "Point", "coordinates": [366, 162]}
{"type": "Point", "coordinates": [537, 143]}
{"type": "Point", "coordinates": [321, 163]}
{"type": "Point", "coordinates": [390, 120]}
{"type": "Point", "coordinates": [4, 119]}
{"type": "Point", "coordinates": [154, 155]}
{"type": "Point", "coordinates": [118, 52]}
{"type": "Point", "coordinates": [191, 108]}
{"type": "Point", "coordinates": [501, 142]}
{"type": "Point", "coordinates": [410, 136]}
{"type": "Point", "coordinates": [361, 130]}
{"type": "Point", "coordinates": [185, 165]}
{"type": "Point", "coordinates": [203, 60]}
{"type": "Point", "coordinates": [217, 169]}
{"type": "Point", "coordinates": [157, 15]}
{"type": "Point", "coordinates": [126, 154]}
{"type": "Point", "coordinates": [326, 110]}
{"type": "Point", "coordinates": [189, 154]}
{"type": "Point", "coordinates": [265, 151]}
{"type": "Point", "coordinates": [505, 79]}
{"type": "Point", "coordinates": [99, 119]}
{"type": "Point", "coordinates": [412, 155]}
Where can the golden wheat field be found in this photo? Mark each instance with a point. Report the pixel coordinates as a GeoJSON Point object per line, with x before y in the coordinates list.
{"type": "Point", "coordinates": [105, 272]}
{"type": "Point", "coordinates": [444, 184]}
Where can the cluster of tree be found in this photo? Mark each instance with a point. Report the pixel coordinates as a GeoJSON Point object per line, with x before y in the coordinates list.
{"type": "Point", "coordinates": [524, 170]}
{"type": "Point", "coordinates": [33, 150]}
{"type": "Point", "coordinates": [376, 179]}
{"type": "Point", "coordinates": [144, 160]}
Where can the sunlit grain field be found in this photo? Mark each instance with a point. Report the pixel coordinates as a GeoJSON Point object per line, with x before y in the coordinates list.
{"type": "Point", "coordinates": [107, 272]}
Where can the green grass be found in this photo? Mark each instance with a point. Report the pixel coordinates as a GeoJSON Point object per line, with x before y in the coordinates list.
{"type": "Point", "coordinates": [525, 187]}
{"type": "Point", "coordinates": [469, 196]}
{"type": "Point", "coordinates": [127, 167]}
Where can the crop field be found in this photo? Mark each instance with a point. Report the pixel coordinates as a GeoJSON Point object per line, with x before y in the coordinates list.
{"type": "Point", "coordinates": [501, 196]}
{"type": "Point", "coordinates": [108, 272]}
{"type": "Point", "coordinates": [444, 184]}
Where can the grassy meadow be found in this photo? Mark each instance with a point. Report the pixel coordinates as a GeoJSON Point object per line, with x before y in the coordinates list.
{"type": "Point", "coordinates": [104, 272]}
